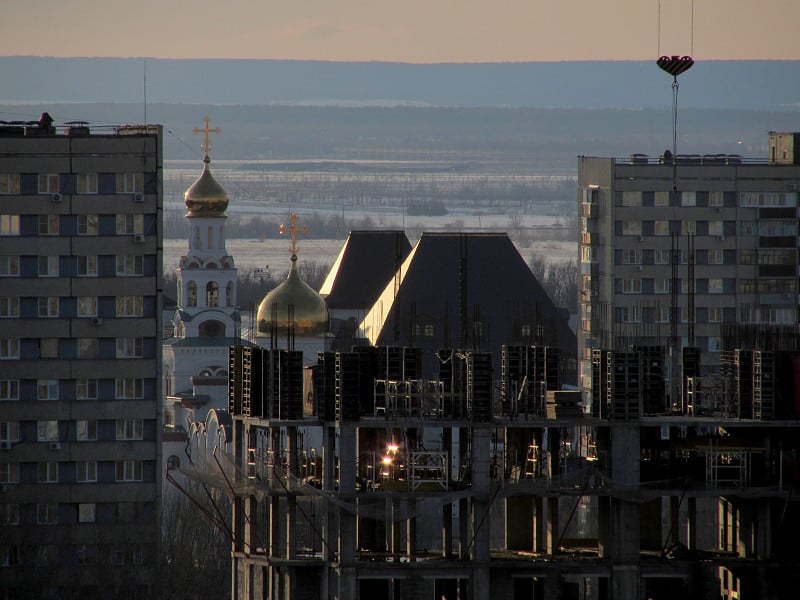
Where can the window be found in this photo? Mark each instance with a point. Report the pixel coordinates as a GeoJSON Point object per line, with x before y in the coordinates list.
{"type": "Point", "coordinates": [47, 431]}
{"type": "Point", "coordinates": [688, 199]}
{"type": "Point", "coordinates": [661, 227]}
{"type": "Point", "coordinates": [129, 183]}
{"type": "Point", "coordinates": [87, 224]}
{"type": "Point", "coordinates": [87, 183]}
{"type": "Point", "coordinates": [129, 470]}
{"type": "Point", "coordinates": [128, 224]}
{"type": "Point", "coordinates": [229, 290]}
{"type": "Point", "coordinates": [688, 227]}
{"type": "Point", "coordinates": [48, 183]}
{"type": "Point", "coordinates": [9, 514]}
{"type": "Point", "coordinates": [9, 389]}
{"type": "Point", "coordinates": [87, 306]}
{"type": "Point", "coordinates": [631, 198]}
{"type": "Point", "coordinates": [9, 306]}
{"type": "Point", "coordinates": [630, 314]}
{"type": "Point", "coordinates": [661, 257]}
{"type": "Point", "coordinates": [212, 294]}
{"type": "Point", "coordinates": [747, 286]}
{"type": "Point", "coordinates": [47, 389]}
{"type": "Point", "coordinates": [632, 257]}
{"type": "Point", "coordinates": [47, 472]}
{"type": "Point", "coordinates": [9, 472]}
{"type": "Point", "coordinates": [48, 348]}
{"type": "Point", "coordinates": [87, 266]}
{"type": "Point", "coordinates": [129, 388]}
{"type": "Point", "coordinates": [747, 257]}
{"type": "Point", "coordinates": [48, 266]}
{"type": "Point", "coordinates": [86, 430]}
{"type": "Point", "coordinates": [661, 199]}
{"type": "Point", "coordinates": [662, 286]}
{"type": "Point", "coordinates": [745, 313]}
{"type": "Point", "coordinates": [48, 224]}
{"type": "Point", "coordinates": [87, 348]}
{"type": "Point", "coordinates": [9, 431]}
{"type": "Point", "coordinates": [715, 228]}
{"type": "Point", "coordinates": [631, 286]}
{"type": "Point", "coordinates": [48, 306]}
{"type": "Point", "coordinates": [129, 347]}
{"type": "Point", "coordinates": [85, 553]}
{"type": "Point", "coordinates": [86, 512]}
{"type": "Point", "coordinates": [129, 306]}
{"type": "Point", "coordinates": [47, 514]}
{"type": "Point", "coordinates": [631, 228]}
{"type": "Point", "coordinates": [9, 183]}
{"type": "Point", "coordinates": [747, 228]}
{"type": "Point", "coordinates": [9, 348]}
{"type": "Point", "coordinates": [716, 199]}
{"type": "Point", "coordinates": [86, 472]}
{"type": "Point", "coordinates": [716, 256]}
{"type": "Point", "coordinates": [129, 265]}
{"type": "Point", "coordinates": [9, 266]}
{"type": "Point", "coordinates": [715, 314]}
{"type": "Point", "coordinates": [129, 429]}
{"type": "Point", "coordinates": [9, 224]}
{"type": "Point", "coordinates": [191, 295]}
{"type": "Point", "coordinates": [86, 389]}
{"type": "Point", "coordinates": [715, 285]}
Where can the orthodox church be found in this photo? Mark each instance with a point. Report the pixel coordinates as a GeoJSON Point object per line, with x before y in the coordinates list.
{"type": "Point", "coordinates": [206, 321]}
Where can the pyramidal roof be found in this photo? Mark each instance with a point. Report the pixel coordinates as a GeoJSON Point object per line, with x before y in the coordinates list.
{"type": "Point", "coordinates": [450, 282]}
{"type": "Point", "coordinates": [366, 262]}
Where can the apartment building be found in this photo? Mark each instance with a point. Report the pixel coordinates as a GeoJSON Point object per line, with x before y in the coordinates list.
{"type": "Point", "coordinates": [80, 359]}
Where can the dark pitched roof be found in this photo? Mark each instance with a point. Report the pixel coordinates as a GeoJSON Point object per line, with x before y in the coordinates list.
{"type": "Point", "coordinates": [367, 260]}
{"type": "Point", "coordinates": [500, 291]}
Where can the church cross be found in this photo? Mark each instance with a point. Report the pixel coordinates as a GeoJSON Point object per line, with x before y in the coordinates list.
{"type": "Point", "coordinates": [206, 131]}
{"type": "Point", "coordinates": [293, 231]}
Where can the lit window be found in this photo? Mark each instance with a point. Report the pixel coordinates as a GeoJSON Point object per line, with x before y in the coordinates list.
{"type": "Point", "coordinates": [48, 306]}
{"type": "Point", "coordinates": [688, 199]}
{"type": "Point", "coordinates": [631, 228]}
{"type": "Point", "coordinates": [87, 224]}
{"type": "Point", "coordinates": [87, 306]}
{"type": "Point", "coordinates": [688, 227]}
{"type": "Point", "coordinates": [715, 228]}
{"type": "Point", "coordinates": [715, 285]}
{"type": "Point", "coordinates": [86, 430]}
{"type": "Point", "coordinates": [631, 198]}
{"type": "Point", "coordinates": [87, 183]}
{"type": "Point", "coordinates": [86, 389]}
{"type": "Point", "coordinates": [47, 389]}
{"type": "Point", "coordinates": [129, 388]}
{"type": "Point", "coordinates": [87, 266]}
{"type": "Point", "coordinates": [129, 429]}
{"type": "Point", "coordinates": [9, 348]}
{"type": "Point", "coordinates": [716, 199]}
{"type": "Point", "coordinates": [9, 389]}
{"type": "Point", "coordinates": [48, 183]}
{"type": "Point", "coordinates": [48, 266]}
{"type": "Point", "coordinates": [9, 183]}
{"type": "Point", "coordinates": [129, 347]}
{"type": "Point", "coordinates": [130, 183]}
{"type": "Point", "coordinates": [129, 306]}
{"type": "Point", "coordinates": [47, 431]}
{"type": "Point", "coordinates": [48, 224]}
{"type": "Point", "coordinates": [9, 306]}
{"type": "Point", "coordinates": [9, 224]}
{"type": "Point", "coordinates": [47, 472]}
{"type": "Point", "coordinates": [661, 199]}
{"type": "Point", "coordinates": [9, 266]}
{"type": "Point", "coordinates": [86, 512]}
{"type": "Point", "coordinates": [86, 472]}
{"type": "Point", "coordinates": [129, 265]}
{"type": "Point", "coordinates": [661, 227]}
{"type": "Point", "coordinates": [129, 470]}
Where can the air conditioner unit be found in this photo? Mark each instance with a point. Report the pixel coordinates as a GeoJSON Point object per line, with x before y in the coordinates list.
{"type": "Point", "coordinates": [55, 445]}
{"type": "Point", "coordinates": [138, 197]}
{"type": "Point", "coordinates": [96, 321]}
{"type": "Point", "coordinates": [5, 445]}
{"type": "Point", "coordinates": [717, 209]}
{"type": "Point", "coordinates": [639, 267]}
{"type": "Point", "coordinates": [138, 238]}
{"type": "Point", "coordinates": [639, 238]}
{"type": "Point", "coordinates": [720, 237]}
{"type": "Point", "coordinates": [56, 198]}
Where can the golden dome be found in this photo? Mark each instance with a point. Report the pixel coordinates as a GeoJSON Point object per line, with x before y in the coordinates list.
{"type": "Point", "coordinates": [205, 197]}
{"type": "Point", "coordinates": [310, 316]}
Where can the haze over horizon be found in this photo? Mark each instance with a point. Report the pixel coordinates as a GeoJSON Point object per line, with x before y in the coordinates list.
{"type": "Point", "coordinates": [415, 31]}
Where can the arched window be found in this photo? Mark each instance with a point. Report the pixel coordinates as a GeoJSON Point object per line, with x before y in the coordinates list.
{"type": "Point", "coordinates": [211, 328]}
{"type": "Point", "coordinates": [191, 294]}
{"type": "Point", "coordinates": [212, 294]}
{"type": "Point", "coordinates": [229, 294]}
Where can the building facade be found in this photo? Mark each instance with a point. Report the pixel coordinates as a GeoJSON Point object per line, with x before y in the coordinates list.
{"type": "Point", "coordinates": [80, 359]}
{"type": "Point", "coordinates": [675, 250]}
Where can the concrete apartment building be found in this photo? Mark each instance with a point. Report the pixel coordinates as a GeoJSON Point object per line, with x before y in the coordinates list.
{"type": "Point", "coordinates": [80, 359]}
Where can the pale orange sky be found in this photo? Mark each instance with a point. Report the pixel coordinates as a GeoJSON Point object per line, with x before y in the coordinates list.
{"type": "Point", "coordinates": [404, 30]}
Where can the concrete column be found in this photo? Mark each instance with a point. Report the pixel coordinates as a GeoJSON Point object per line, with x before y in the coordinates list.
{"type": "Point", "coordinates": [481, 487]}
{"type": "Point", "coordinates": [763, 530]}
{"type": "Point", "coordinates": [519, 523]}
{"type": "Point", "coordinates": [329, 485]}
{"type": "Point", "coordinates": [447, 530]}
{"type": "Point", "coordinates": [553, 530]}
{"type": "Point", "coordinates": [481, 589]}
{"type": "Point", "coordinates": [411, 530]}
{"type": "Point", "coordinates": [463, 526]}
{"type": "Point", "coordinates": [347, 488]}
{"type": "Point", "coordinates": [539, 525]}
{"type": "Point", "coordinates": [674, 519]}
{"type": "Point", "coordinates": [691, 528]}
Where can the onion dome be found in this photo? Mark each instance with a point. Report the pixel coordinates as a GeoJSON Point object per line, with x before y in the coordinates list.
{"type": "Point", "coordinates": [293, 304]}
{"type": "Point", "coordinates": [205, 197]}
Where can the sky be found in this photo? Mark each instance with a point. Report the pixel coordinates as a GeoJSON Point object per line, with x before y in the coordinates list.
{"type": "Point", "coordinates": [415, 31]}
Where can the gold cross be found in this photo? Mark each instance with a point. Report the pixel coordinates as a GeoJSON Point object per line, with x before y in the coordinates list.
{"type": "Point", "coordinates": [206, 131]}
{"type": "Point", "coordinates": [293, 230]}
